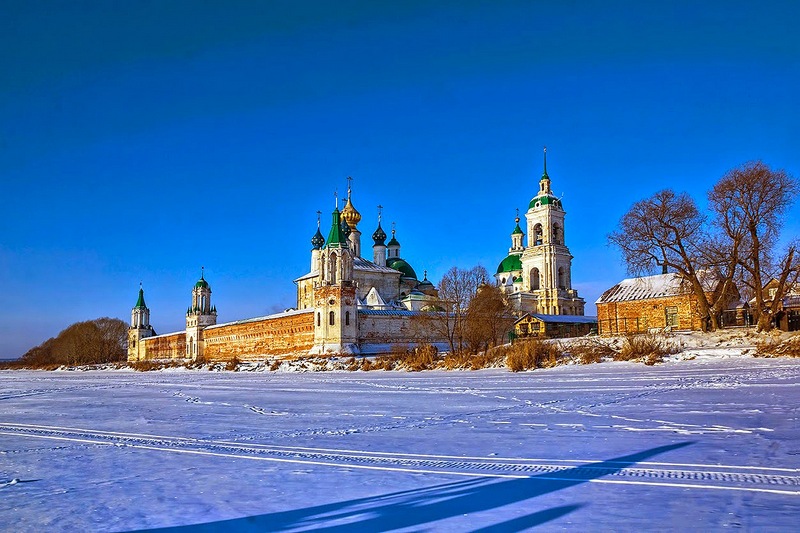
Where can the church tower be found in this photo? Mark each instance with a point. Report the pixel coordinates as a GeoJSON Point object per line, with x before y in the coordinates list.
{"type": "Point", "coordinates": [546, 261]}
{"type": "Point", "coordinates": [140, 328]}
{"type": "Point", "coordinates": [200, 315]}
{"type": "Point", "coordinates": [335, 304]}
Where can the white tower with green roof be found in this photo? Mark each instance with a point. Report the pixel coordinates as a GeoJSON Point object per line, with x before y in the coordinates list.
{"type": "Point", "coordinates": [140, 328]}
{"type": "Point", "coordinates": [538, 278]}
{"type": "Point", "coordinates": [199, 316]}
{"type": "Point", "coordinates": [335, 303]}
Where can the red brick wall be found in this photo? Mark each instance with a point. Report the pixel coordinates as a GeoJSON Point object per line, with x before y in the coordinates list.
{"type": "Point", "coordinates": [170, 346]}
{"type": "Point", "coordinates": [641, 315]}
{"type": "Point", "coordinates": [252, 340]}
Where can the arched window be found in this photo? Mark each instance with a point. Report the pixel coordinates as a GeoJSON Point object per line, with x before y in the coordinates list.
{"type": "Point", "coordinates": [333, 268]}
{"type": "Point", "coordinates": [331, 318]}
{"type": "Point", "coordinates": [537, 235]}
{"type": "Point", "coordinates": [558, 234]}
{"type": "Point", "coordinates": [347, 318]}
{"type": "Point", "coordinates": [534, 279]}
{"type": "Point", "coordinates": [190, 346]}
{"type": "Point", "coordinates": [319, 318]}
{"type": "Point", "coordinates": [561, 281]}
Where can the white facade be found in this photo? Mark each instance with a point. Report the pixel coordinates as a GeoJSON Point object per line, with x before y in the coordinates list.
{"type": "Point", "coordinates": [538, 277]}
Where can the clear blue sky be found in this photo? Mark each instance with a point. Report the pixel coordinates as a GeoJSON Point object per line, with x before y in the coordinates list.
{"type": "Point", "coordinates": [141, 140]}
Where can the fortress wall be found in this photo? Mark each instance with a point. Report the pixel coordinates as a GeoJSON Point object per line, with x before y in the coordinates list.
{"type": "Point", "coordinates": [251, 340]}
{"type": "Point", "coordinates": [170, 346]}
{"type": "Point", "coordinates": [379, 334]}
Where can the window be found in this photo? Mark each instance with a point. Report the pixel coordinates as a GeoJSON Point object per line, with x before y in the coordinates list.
{"type": "Point", "coordinates": [534, 279]}
{"type": "Point", "coordinates": [331, 318]}
{"type": "Point", "coordinates": [347, 318]}
{"type": "Point", "coordinates": [671, 316]}
{"type": "Point", "coordinates": [333, 268]}
{"type": "Point", "coordinates": [319, 318]}
{"type": "Point", "coordinates": [557, 234]}
{"type": "Point", "coordinates": [537, 235]}
{"type": "Point", "coordinates": [561, 282]}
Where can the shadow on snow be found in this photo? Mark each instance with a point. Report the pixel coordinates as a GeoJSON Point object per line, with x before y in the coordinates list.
{"type": "Point", "coordinates": [414, 508]}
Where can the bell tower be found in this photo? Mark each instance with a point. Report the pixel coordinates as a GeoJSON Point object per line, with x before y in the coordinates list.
{"type": "Point", "coordinates": [546, 261]}
{"type": "Point", "coordinates": [140, 328]}
{"type": "Point", "coordinates": [200, 315]}
{"type": "Point", "coordinates": [335, 304]}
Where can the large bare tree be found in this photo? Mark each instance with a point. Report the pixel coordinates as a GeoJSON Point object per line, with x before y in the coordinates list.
{"type": "Point", "coordinates": [749, 203]}
{"type": "Point", "coordinates": [668, 231]}
{"type": "Point", "coordinates": [488, 319]}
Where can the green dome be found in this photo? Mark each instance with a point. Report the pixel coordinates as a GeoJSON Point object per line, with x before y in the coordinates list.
{"type": "Point", "coordinates": [201, 283]}
{"type": "Point", "coordinates": [545, 200]}
{"type": "Point", "coordinates": [511, 263]}
{"type": "Point", "coordinates": [399, 264]}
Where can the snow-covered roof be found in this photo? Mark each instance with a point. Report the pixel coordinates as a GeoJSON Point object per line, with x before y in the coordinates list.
{"type": "Point", "coordinates": [290, 312]}
{"type": "Point", "coordinates": [658, 286]}
{"type": "Point", "coordinates": [387, 312]}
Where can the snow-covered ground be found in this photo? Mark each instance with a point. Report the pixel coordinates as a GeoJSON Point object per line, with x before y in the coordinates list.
{"type": "Point", "coordinates": [701, 444]}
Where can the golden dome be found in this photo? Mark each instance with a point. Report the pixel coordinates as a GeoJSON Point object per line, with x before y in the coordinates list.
{"type": "Point", "coordinates": [350, 214]}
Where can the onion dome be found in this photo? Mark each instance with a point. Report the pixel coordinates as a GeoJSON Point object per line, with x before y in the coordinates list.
{"type": "Point", "coordinates": [512, 263]}
{"type": "Point", "coordinates": [140, 302]}
{"type": "Point", "coordinates": [379, 236]}
{"type": "Point", "coordinates": [401, 265]}
{"type": "Point", "coordinates": [425, 285]}
{"type": "Point", "coordinates": [317, 241]}
{"type": "Point", "coordinates": [394, 241]}
{"type": "Point", "coordinates": [350, 214]}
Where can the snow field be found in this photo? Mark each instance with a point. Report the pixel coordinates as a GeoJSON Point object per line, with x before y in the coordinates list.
{"type": "Point", "coordinates": [697, 445]}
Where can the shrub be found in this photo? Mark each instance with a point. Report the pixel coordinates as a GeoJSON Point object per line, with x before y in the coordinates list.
{"type": "Point", "coordinates": [148, 365]}
{"type": "Point", "coordinates": [276, 364]}
{"type": "Point", "coordinates": [233, 364]}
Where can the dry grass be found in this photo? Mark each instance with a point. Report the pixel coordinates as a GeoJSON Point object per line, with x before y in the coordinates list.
{"type": "Point", "coordinates": [777, 348]}
{"type": "Point", "coordinates": [649, 348]}
{"type": "Point", "coordinates": [232, 365]}
{"type": "Point", "coordinates": [533, 353]}
{"type": "Point", "coordinates": [147, 366]}
{"type": "Point", "coordinates": [590, 350]}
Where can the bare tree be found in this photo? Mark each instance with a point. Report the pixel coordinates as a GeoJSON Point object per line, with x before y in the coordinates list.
{"type": "Point", "coordinates": [749, 203]}
{"type": "Point", "coordinates": [667, 230]}
{"type": "Point", "coordinates": [456, 290]}
{"type": "Point", "coordinates": [101, 340]}
{"type": "Point", "coordinates": [488, 319]}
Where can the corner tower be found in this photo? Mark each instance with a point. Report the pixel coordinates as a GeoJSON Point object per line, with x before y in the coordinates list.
{"type": "Point", "coordinates": [200, 315]}
{"type": "Point", "coordinates": [140, 328]}
{"type": "Point", "coordinates": [546, 261]}
{"type": "Point", "coordinates": [335, 304]}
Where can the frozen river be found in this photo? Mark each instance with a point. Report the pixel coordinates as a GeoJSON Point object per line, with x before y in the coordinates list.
{"type": "Point", "coordinates": [616, 446]}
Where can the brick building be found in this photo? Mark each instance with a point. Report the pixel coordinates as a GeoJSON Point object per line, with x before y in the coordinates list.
{"type": "Point", "coordinates": [663, 301]}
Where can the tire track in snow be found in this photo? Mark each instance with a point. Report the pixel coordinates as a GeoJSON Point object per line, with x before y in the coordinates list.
{"type": "Point", "coordinates": [719, 477]}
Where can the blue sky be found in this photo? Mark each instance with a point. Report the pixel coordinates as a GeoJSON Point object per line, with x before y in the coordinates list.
{"type": "Point", "coordinates": [141, 140]}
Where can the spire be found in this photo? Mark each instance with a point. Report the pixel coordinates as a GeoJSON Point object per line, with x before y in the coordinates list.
{"type": "Point", "coordinates": [394, 241]}
{"type": "Point", "coordinates": [336, 236]}
{"type": "Point", "coordinates": [517, 229]}
{"type": "Point", "coordinates": [544, 174]}
{"type": "Point", "coordinates": [140, 302]}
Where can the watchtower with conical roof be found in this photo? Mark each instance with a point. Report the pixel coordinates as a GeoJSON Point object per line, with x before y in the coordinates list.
{"type": "Point", "coordinates": [199, 316]}
{"type": "Point", "coordinates": [139, 329]}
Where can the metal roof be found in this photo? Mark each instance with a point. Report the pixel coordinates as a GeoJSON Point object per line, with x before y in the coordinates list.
{"type": "Point", "coordinates": [561, 319]}
{"type": "Point", "coordinates": [658, 286]}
